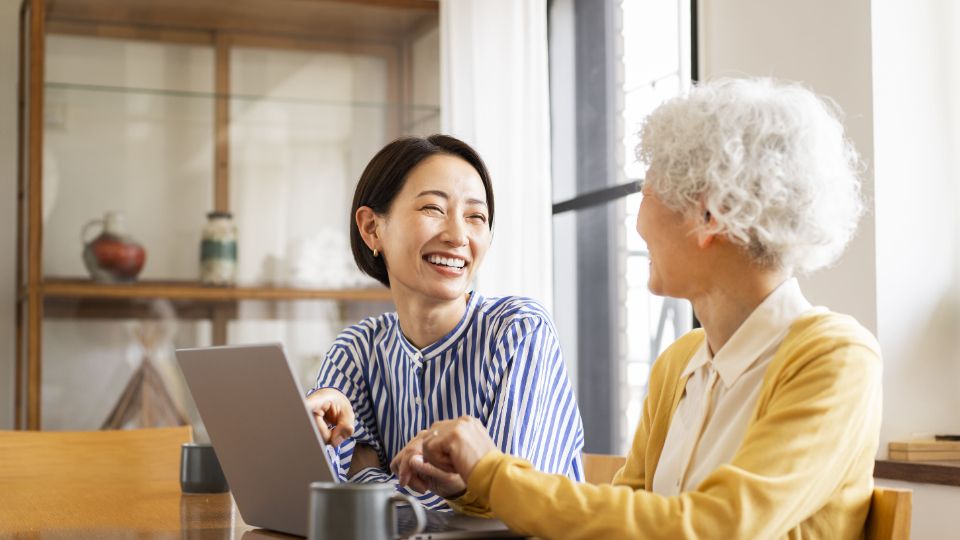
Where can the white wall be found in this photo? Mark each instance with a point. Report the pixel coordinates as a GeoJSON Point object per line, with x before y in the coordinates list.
{"type": "Point", "coordinates": [917, 118]}
{"type": "Point", "coordinates": [893, 67]}
{"type": "Point", "coordinates": [825, 45]}
{"type": "Point", "coordinates": [8, 201]}
{"type": "Point", "coordinates": [917, 130]}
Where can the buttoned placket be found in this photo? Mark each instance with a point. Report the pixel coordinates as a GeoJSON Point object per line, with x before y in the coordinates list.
{"type": "Point", "coordinates": [703, 418]}
{"type": "Point", "coordinates": [419, 388]}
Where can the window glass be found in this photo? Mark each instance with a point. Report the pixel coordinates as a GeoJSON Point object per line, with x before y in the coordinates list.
{"type": "Point", "coordinates": [637, 55]}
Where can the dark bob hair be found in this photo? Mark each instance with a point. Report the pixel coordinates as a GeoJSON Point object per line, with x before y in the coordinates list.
{"type": "Point", "coordinates": [384, 177]}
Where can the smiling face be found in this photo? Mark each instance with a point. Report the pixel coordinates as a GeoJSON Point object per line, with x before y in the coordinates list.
{"type": "Point", "coordinates": [436, 232]}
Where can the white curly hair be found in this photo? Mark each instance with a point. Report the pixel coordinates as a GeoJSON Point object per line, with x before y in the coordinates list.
{"type": "Point", "coordinates": [767, 159]}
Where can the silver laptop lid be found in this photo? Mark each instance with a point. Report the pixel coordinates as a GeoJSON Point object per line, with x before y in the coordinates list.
{"type": "Point", "coordinates": [264, 436]}
{"type": "Point", "coordinates": [268, 444]}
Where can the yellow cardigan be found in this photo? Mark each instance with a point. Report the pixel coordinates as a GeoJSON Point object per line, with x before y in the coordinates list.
{"type": "Point", "coordinates": [804, 469]}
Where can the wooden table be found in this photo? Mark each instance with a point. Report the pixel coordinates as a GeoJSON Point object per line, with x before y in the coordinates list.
{"type": "Point", "coordinates": [107, 485]}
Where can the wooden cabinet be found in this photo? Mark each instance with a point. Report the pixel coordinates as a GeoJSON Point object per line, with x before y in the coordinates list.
{"type": "Point", "coordinates": [167, 109]}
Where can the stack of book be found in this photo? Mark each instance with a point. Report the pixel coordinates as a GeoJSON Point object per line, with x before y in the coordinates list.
{"type": "Point", "coordinates": [924, 450]}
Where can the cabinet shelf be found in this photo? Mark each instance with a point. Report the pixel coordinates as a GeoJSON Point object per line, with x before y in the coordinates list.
{"type": "Point", "coordinates": [944, 473]}
{"type": "Point", "coordinates": [420, 110]}
{"type": "Point", "coordinates": [79, 298]}
{"type": "Point", "coordinates": [65, 288]}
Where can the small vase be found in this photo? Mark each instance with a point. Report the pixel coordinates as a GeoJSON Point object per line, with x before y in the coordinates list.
{"type": "Point", "coordinates": [218, 250]}
{"type": "Point", "coordinates": [112, 257]}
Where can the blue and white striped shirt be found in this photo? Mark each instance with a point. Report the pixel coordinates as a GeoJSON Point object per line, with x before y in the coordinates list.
{"type": "Point", "coordinates": [501, 364]}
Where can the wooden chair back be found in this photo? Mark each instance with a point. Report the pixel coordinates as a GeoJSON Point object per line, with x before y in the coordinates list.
{"type": "Point", "coordinates": [889, 517]}
{"type": "Point", "coordinates": [58, 454]}
{"type": "Point", "coordinates": [600, 468]}
{"type": "Point", "coordinates": [74, 478]}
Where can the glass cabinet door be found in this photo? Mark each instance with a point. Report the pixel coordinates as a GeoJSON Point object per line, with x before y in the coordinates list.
{"type": "Point", "coordinates": [128, 128]}
{"type": "Point", "coordinates": [165, 113]}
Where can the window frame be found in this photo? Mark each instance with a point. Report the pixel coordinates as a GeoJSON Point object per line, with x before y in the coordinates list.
{"type": "Point", "coordinates": [597, 183]}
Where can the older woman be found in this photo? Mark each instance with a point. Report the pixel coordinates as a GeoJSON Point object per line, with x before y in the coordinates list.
{"type": "Point", "coordinates": [765, 422]}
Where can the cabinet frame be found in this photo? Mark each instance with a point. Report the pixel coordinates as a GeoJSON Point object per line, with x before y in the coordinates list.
{"type": "Point", "coordinates": [34, 291]}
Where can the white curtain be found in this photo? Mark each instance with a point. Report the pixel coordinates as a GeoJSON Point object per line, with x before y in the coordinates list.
{"type": "Point", "coordinates": [495, 96]}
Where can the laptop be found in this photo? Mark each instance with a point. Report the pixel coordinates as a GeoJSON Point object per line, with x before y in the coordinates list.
{"type": "Point", "coordinates": [269, 446]}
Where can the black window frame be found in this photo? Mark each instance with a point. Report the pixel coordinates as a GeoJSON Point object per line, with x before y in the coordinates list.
{"type": "Point", "coordinates": [595, 57]}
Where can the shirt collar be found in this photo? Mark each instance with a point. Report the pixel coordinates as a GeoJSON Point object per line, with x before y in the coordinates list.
{"type": "Point", "coordinates": [444, 343]}
{"type": "Point", "coordinates": [761, 330]}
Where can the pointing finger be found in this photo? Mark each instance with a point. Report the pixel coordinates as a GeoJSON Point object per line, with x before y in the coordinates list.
{"type": "Point", "coordinates": [324, 430]}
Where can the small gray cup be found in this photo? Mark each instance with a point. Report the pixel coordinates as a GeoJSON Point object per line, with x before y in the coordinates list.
{"type": "Point", "coordinates": [200, 470]}
{"type": "Point", "coordinates": [358, 511]}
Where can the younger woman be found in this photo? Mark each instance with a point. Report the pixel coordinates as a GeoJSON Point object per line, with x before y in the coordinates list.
{"type": "Point", "coordinates": [421, 223]}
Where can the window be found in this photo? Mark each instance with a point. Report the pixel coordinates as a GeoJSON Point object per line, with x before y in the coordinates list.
{"type": "Point", "coordinates": [612, 62]}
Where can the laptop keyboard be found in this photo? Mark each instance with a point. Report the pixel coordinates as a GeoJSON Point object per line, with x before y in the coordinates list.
{"type": "Point", "coordinates": [436, 521]}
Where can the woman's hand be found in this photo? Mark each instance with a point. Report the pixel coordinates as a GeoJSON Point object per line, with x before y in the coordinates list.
{"type": "Point", "coordinates": [414, 473]}
{"type": "Point", "coordinates": [455, 446]}
{"type": "Point", "coordinates": [333, 414]}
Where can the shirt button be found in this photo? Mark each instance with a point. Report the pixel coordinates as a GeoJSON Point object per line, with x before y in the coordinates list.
{"type": "Point", "coordinates": [419, 401]}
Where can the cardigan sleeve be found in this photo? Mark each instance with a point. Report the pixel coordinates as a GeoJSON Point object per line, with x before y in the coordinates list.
{"type": "Point", "coordinates": [818, 420]}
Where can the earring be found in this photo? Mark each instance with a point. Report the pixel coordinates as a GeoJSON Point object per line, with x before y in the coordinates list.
{"type": "Point", "coordinates": [375, 253]}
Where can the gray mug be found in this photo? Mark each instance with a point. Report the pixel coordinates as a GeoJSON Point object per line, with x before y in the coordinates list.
{"type": "Point", "coordinates": [358, 511]}
{"type": "Point", "coordinates": [200, 470]}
